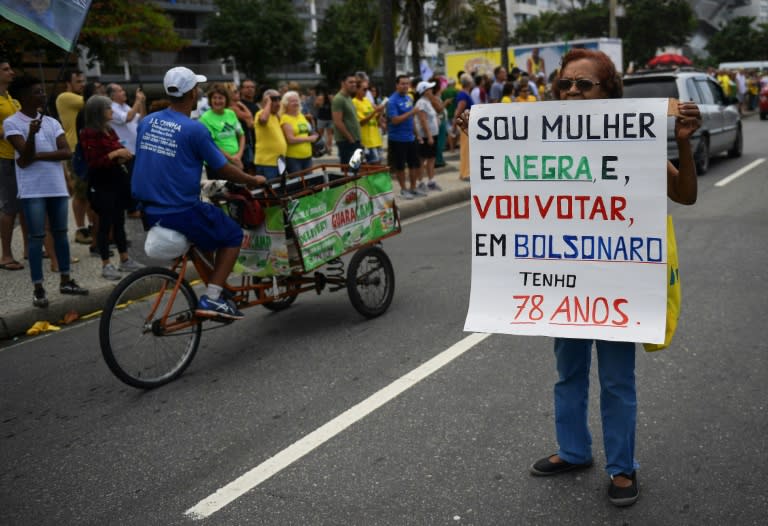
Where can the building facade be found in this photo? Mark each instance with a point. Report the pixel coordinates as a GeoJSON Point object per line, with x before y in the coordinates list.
{"type": "Point", "coordinates": [190, 18]}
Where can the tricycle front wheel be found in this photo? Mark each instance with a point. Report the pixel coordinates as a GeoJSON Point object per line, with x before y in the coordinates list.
{"type": "Point", "coordinates": [148, 333]}
{"type": "Point", "coordinates": [370, 281]}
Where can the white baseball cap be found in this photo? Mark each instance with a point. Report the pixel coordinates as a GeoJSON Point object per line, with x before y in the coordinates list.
{"type": "Point", "coordinates": [424, 86]}
{"type": "Point", "coordinates": [180, 80]}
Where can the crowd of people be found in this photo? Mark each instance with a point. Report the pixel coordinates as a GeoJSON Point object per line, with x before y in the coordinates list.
{"type": "Point", "coordinates": [253, 127]}
{"type": "Point", "coordinates": [744, 85]}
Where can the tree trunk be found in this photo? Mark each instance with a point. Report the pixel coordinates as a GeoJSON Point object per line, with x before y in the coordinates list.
{"type": "Point", "coordinates": [415, 22]}
{"type": "Point", "coordinates": [387, 47]}
{"type": "Point", "coordinates": [504, 34]}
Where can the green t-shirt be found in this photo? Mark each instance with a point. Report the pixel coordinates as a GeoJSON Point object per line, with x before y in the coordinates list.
{"type": "Point", "coordinates": [225, 129]}
{"type": "Point", "coordinates": [450, 93]}
{"type": "Point", "coordinates": [343, 104]}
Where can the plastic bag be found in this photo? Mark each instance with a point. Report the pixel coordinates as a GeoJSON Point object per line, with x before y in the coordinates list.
{"type": "Point", "coordinates": [164, 243]}
{"type": "Point", "coordinates": [674, 291]}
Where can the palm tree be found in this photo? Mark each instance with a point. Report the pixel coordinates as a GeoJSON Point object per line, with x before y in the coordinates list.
{"type": "Point", "coordinates": [384, 40]}
{"type": "Point", "coordinates": [412, 14]}
{"type": "Point", "coordinates": [504, 33]}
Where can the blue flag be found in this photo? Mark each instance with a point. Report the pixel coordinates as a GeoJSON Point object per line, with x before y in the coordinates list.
{"type": "Point", "coordinates": [426, 71]}
{"type": "Point", "coordinates": [59, 21]}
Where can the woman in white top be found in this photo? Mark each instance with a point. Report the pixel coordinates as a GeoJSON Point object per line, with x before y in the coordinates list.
{"type": "Point", "coordinates": [40, 146]}
{"type": "Point", "coordinates": [427, 127]}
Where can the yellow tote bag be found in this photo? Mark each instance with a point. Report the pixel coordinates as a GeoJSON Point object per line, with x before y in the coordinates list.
{"type": "Point", "coordinates": [674, 291]}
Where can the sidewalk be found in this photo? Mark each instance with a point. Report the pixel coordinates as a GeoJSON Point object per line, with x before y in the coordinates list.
{"type": "Point", "coordinates": [17, 313]}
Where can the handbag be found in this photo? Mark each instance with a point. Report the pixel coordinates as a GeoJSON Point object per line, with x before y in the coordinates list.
{"type": "Point", "coordinates": [674, 291]}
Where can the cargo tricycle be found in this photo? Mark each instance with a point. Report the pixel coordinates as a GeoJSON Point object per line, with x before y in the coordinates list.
{"type": "Point", "coordinates": [296, 230]}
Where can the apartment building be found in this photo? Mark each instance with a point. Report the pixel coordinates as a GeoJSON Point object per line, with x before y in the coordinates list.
{"type": "Point", "coordinates": [190, 19]}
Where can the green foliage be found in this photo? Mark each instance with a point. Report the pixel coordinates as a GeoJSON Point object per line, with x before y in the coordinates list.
{"type": "Point", "coordinates": [590, 21]}
{"type": "Point", "coordinates": [653, 24]}
{"type": "Point", "coordinates": [739, 40]}
{"type": "Point", "coordinates": [111, 30]}
{"type": "Point", "coordinates": [542, 28]}
{"type": "Point", "coordinates": [345, 38]}
{"type": "Point", "coordinates": [260, 34]}
{"type": "Point", "coordinates": [474, 25]}
{"type": "Point", "coordinates": [647, 26]}
{"type": "Point", "coordinates": [114, 29]}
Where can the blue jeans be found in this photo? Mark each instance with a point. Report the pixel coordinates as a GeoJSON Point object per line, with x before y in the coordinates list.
{"type": "Point", "coordinates": [373, 155]}
{"type": "Point", "coordinates": [270, 172]}
{"type": "Point", "coordinates": [294, 164]}
{"type": "Point", "coordinates": [35, 211]}
{"type": "Point", "coordinates": [618, 402]}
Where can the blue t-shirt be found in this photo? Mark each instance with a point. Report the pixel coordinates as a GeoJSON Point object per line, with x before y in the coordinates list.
{"type": "Point", "coordinates": [170, 150]}
{"type": "Point", "coordinates": [463, 95]}
{"type": "Point", "coordinates": [397, 105]}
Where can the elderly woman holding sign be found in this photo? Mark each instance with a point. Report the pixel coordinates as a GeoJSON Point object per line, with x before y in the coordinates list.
{"type": "Point", "coordinates": [587, 74]}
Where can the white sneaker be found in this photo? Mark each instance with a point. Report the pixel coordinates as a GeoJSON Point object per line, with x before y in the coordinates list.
{"type": "Point", "coordinates": [419, 191]}
{"type": "Point", "coordinates": [109, 271]}
{"type": "Point", "coordinates": [129, 265]}
{"type": "Point", "coordinates": [432, 186]}
{"type": "Point", "coordinates": [406, 194]}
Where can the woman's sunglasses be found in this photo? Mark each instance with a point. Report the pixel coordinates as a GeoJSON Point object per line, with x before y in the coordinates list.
{"type": "Point", "coordinates": [581, 84]}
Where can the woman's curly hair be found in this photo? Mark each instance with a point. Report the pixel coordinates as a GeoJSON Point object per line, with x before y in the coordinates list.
{"type": "Point", "coordinates": [608, 77]}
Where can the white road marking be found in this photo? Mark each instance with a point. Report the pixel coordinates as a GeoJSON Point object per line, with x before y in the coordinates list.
{"type": "Point", "coordinates": [246, 482]}
{"type": "Point", "coordinates": [739, 173]}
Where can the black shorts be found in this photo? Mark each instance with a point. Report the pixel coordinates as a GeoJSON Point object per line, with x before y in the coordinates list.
{"type": "Point", "coordinates": [402, 153]}
{"type": "Point", "coordinates": [428, 151]}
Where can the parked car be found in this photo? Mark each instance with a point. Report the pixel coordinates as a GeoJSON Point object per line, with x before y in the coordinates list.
{"type": "Point", "coordinates": [764, 103]}
{"type": "Point", "coordinates": [720, 130]}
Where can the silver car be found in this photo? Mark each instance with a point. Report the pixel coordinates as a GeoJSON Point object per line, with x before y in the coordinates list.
{"type": "Point", "coordinates": [721, 123]}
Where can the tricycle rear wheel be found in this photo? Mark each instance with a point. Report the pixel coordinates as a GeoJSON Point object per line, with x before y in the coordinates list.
{"type": "Point", "coordinates": [370, 281]}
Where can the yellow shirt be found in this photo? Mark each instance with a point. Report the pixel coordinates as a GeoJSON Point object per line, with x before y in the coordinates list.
{"type": "Point", "coordinates": [8, 107]}
{"type": "Point", "coordinates": [506, 99]}
{"type": "Point", "coordinates": [725, 83]}
{"type": "Point", "coordinates": [370, 136]}
{"type": "Point", "coordinates": [300, 127]}
{"type": "Point", "coordinates": [68, 105]}
{"type": "Point", "coordinates": [270, 141]}
{"type": "Point", "coordinates": [752, 87]}
{"type": "Point", "coordinates": [529, 98]}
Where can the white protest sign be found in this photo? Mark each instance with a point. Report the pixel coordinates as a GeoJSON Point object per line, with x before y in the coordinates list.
{"type": "Point", "coordinates": [569, 219]}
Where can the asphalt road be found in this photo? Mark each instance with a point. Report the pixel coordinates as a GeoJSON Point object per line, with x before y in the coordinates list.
{"type": "Point", "coordinates": [79, 447]}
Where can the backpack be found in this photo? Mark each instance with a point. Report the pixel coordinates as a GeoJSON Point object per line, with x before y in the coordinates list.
{"type": "Point", "coordinates": [79, 164]}
{"type": "Point", "coordinates": [243, 208]}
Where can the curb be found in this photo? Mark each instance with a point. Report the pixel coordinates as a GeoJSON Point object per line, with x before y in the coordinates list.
{"type": "Point", "coordinates": [16, 324]}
